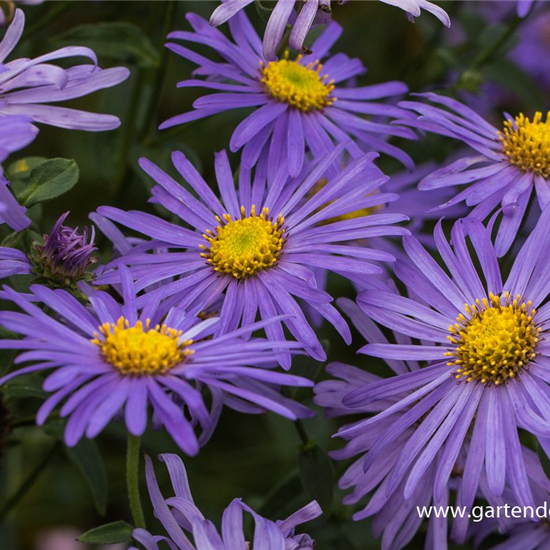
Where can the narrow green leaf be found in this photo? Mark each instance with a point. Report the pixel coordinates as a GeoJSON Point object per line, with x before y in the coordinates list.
{"type": "Point", "coordinates": [317, 475]}
{"type": "Point", "coordinates": [121, 41]}
{"type": "Point", "coordinates": [49, 180]}
{"type": "Point", "coordinates": [111, 533]}
{"type": "Point", "coordinates": [87, 458]}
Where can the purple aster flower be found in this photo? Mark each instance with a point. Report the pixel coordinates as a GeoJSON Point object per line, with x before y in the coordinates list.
{"type": "Point", "coordinates": [112, 360]}
{"type": "Point", "coordinates": [508, 166]}
{"type": "Point", "coordinates": [488, 365]}
{"type": "Point", "coordinates": [260, 245]}
{"type": "Point", "coordinates": [27, 86]}
{"type": "Point", "coordinates": [395, 519]}
{"type": "Point", "coordinates": [188, 529]}
{"type": "Point", "coordinates": [300, 105]}
{"type": "Point", "coordinates": [309, 13]}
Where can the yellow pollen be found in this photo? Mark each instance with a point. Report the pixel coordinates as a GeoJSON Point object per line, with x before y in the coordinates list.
{"type": "Point", "coordinates": [244, 246]}
{"type": "Point", "coordinates": [496, 340]}
{"type": "Point", "coordinates": [527, 143]}
{"type": "Point", "coordinates": [139, 349]}
{"type": "Point", "coordinates": [302, 86]}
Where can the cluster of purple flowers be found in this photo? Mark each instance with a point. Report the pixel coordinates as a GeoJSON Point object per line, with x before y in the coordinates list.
{"type": "Point", "coordinates": [209, 305]}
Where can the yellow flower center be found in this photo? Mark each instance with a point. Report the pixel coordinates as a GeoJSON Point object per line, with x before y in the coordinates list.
{"type": "Point", "coordinates": [495, 340]}
{"type": "Point", "coordinates": [140, 349]}
{"type": "Point", "coordinates": [302, 86]}
{"type": "Point", "coordinates": [244, 246]}
{"type": "Point", "coordinates": [527, 143]}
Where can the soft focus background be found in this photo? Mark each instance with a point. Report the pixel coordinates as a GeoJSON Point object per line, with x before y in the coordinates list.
{"type": "Point", "coordinates": [253, 457]}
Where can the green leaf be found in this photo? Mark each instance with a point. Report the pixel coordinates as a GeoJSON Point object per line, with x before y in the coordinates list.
{"type": "Point", "coordinates": [87, 458]}
{"type": "Point", "coordinates": [20, 170]}
{"type": "Point", "coordinates": [317, 475]}
{"type": "Point", "coordinates": [49, 180]}
{"type": "Point", "coordinates": [28, 385]}
{"type": "Point", "coordinates": [111, 533]}
{"type": "Point", "coordinates": [120, 41]}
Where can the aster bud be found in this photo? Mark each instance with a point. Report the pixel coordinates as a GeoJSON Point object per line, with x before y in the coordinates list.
{"type": "Point", "coordinates": [64, 256]}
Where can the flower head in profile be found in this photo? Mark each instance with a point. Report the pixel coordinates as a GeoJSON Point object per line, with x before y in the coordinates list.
{"type": "Point", "coordinates": [188, 529]}
{"type": "Point", "coordinates": [258, 245]}
{"type": "Point", "coordinates": [509, 164]}
{"type": "Point", "coordinates": [28, 86]}
{"type": "Point", "coordinates": [305, 15]}
{"type": "Point", "coordinates": [301, 104]}
{"type": "Point", "coordinates": [112, 359]}
{"type": "Point", "coordinates": [487, 367]}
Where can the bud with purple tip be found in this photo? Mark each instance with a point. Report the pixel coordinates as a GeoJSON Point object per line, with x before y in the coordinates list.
{"type": "Point", "coordinates": [64, 256]}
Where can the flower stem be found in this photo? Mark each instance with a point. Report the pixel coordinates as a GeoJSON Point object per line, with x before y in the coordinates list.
{"type": "Point", "coordinates": [302, 433]}
{"type": "Point", "coordinates": [493, 49]}
{"type": "Point", "coordinates": [29, 481]}
{"type": "Point", "coordinates": [132, 480]}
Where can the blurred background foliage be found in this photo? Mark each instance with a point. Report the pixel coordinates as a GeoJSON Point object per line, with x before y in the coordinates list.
{"type": "Point", "coordinates": [266, 460]}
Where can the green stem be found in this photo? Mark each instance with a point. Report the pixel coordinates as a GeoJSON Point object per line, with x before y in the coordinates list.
{"type": "Point", "coordinates": [132, 480]}
{"type": "Point", "coordinates": [486, 55]}
{"type": "Point", "coordinates": [302, 433]}
{"type": "Point", "coordinates": [29, 481]}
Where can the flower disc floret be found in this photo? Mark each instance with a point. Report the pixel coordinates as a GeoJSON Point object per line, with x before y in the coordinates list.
{"type": "Point", "coordinates": [495, 340]}
{"type": "Point", "coordinates": [526, 143]}
{"type": "Point", "coordinates": [245, 246]}
{"type": "Point", "coordinates": [139, 349]}
{"type": "Point", "coordinates": [301, 86]}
